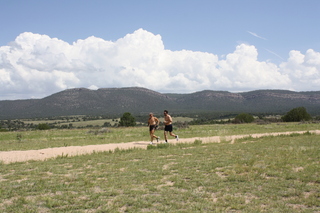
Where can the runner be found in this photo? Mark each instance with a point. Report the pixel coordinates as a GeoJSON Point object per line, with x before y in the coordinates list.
{"type": "Point", "coordinates": [168, 126]}
{"type": "Point", "coordinates": [153, 122]}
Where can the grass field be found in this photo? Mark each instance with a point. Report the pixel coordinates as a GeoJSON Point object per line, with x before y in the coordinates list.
{"type": "Point", "coordinates": [269, 174]}
{"type": "Point", "coordinates": [40, 139]}
{"type": "Point", "coordinates": [98, 122]}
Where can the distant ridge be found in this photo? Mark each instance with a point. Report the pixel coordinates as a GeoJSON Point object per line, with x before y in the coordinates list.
{"type": "Point", "coordinates": [139, 101]}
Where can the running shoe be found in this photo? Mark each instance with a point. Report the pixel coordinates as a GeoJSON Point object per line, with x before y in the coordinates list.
{"type": "Point", "coordinates": [177, 137]}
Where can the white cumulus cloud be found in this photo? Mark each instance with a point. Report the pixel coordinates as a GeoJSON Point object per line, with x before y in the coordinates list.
{"type": "Point", "coordinates": [303, 70]}
{"type": "Point", "coordinates": [35, 66]}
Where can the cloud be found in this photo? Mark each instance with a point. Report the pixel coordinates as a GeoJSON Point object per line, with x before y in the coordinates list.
{"type": "Point", "coordinates": [244, 71]}
{"type": "Point", "coordinates": [255, 35]}
{"type": "Point", "coordinates": [35, 66]}
{"type": "Point", "coordinates": [303, 70]}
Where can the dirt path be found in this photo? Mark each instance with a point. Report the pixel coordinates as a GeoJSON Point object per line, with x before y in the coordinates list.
{"type": "Point", "coordinates": [43, 154]}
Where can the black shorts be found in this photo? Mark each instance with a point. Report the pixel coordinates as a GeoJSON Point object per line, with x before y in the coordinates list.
{"type": "Point", "coordinates": [152, 127]}
{"type": "Point", "coordinates": [168, 128]}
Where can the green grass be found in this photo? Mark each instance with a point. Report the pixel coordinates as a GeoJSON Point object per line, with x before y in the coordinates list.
{"type": "Point", "coordinates": [27, 140]}
{"type": "Point", "coordinates": [74, 137]}
{"type": "Point", "coordinates": [270, 174]}
{"type": "Point", "coordinates": [97, 122]}
{"type": "Point", "coordinates": [58, 122]}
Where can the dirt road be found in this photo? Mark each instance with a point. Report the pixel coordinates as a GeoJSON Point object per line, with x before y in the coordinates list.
{"type": "Point", "coordinates": [43, 154]}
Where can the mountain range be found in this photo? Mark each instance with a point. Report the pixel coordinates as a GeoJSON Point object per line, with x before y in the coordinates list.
{"type": "Point", "coordinates": [139, 101]}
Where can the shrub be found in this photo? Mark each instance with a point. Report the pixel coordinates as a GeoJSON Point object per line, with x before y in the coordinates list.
{"type": "Point", "coordinates": [297, 114]}
{"type": "Point", "coordinates": [127, 120]}
{"type": "Point", "coordinates": [106, 124]}
{"type": "Point", "coordinates": [43, 126]}
{"type": "Point", "coordinates": [243, 118]}
{"type": "Point", "coordinates": [181, 125]}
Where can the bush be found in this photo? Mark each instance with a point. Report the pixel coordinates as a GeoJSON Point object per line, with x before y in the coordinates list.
{"type": "Point", "coordinates": [243, 118]}
{"type": "Point", "coordinates": [127, 120]}
{"type": "Point", "coordinates": [181, 125]}
{"type": "Point", "coordinates": [43, 126]}
{"type": "Point", "coordinates": [297, 114]}
{"type": "Point", "coordinates": [106, 124]}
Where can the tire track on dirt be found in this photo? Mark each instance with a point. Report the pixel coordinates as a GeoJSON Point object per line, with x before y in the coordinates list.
{"type": "Point", "coordinates": [7, 157]}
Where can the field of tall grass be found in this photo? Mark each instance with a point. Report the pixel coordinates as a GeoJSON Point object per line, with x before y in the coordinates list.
{"type": "Point", "coordinates": [269, 174]}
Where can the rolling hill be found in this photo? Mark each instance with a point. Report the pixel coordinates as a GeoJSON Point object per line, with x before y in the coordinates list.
{"type": "Point", "coordinates": [139, 101]}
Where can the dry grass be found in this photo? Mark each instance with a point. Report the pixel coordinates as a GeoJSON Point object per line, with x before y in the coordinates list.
{"type": "Point", "coordinates": [269, 174]}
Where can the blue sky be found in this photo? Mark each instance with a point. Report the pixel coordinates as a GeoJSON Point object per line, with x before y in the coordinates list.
{"type": "Point", "coordinates": [273, 36]}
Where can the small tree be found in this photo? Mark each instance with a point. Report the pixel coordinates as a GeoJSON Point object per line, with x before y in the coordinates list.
{"type": "Point", "coordinates": [296, 114]}
{"type": "Point", "coordinates": [127, 120]}
{"type": "Point", "coordinates": [244, 118]}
